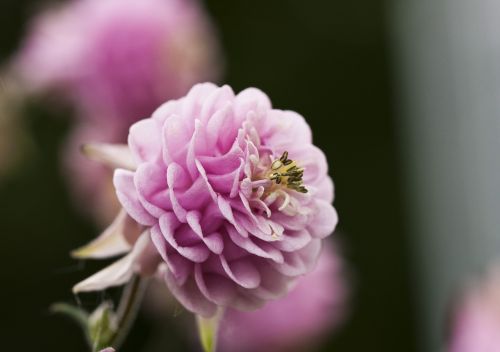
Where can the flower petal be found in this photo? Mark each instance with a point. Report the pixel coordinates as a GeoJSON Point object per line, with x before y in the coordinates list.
{"type": "Point", "coordinates": [128, 197]}
{"type": "Point", "coordinates": [179, 266]}
{"type": "Point", "coordinates": [213, 241]}
{"type": "Point", "coordinates": [324, 221]}
{"type": "Point", "coordinates": [242, 271]}
{"type": "Point", "coordinates": [215, 287]}
{"type": "Point", "coordinates": [183, 239]}
{"type": "Point", "coordinates": [117, 273]}
{"type": "Point", "coordinates": [110, 243]}
{"type": "Point", "coordinates": [189, 296]}
{"type": "Point", "coordinates": [264, 249]}
{"type": "Point", "coordinates": [151, 186]}
{"type": "Point", "coordinates": [145, 129]}
{"type": "Point", "coordinates": [113, 155]}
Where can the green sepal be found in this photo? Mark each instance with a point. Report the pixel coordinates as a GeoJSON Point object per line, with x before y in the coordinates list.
{"type": "Point", "coordinates": [99, 328]}
{"type": "Point", "coordinates": [102, 326]}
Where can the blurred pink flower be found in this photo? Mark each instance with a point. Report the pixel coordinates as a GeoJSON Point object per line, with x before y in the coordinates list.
{"type": "Point", "coordinates": [119, 59]}
{"type": "Point", "coordinates": [476, 322]}
{"type": "Point", "coordinates": [115, 61]}
{"type": "Point", "coordinates": [231, 193]}
{"type": "Point", "coordinates": [313, 308]}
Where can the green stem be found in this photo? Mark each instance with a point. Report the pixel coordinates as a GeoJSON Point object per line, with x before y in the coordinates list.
{"type": "Point", "coordinates": [208, 329]}
{"type": "Point", "coordinates": [78, 315]}
{"type": "Point", "coordinates": [127, 309]}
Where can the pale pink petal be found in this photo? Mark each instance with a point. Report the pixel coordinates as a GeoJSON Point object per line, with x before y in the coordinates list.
{"type": "Point", "coordinates": [129, 199]}
{"type": "Point", "coordinates": [324, 220]}
{"type": "Point", "coordinates": [242, 271]}
{"type": "Point", "coordinates": [190, 296]}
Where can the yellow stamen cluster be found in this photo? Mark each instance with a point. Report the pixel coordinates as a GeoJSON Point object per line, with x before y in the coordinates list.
{"type": "Point", "coordinates": [286, 172]}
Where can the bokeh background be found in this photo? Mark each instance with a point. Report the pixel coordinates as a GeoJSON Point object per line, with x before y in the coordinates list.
{"type": "Point", "coordinates": [332, 61]}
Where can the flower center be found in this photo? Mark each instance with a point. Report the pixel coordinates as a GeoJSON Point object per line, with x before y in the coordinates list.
{"type": "Point", "coordinates": [284, 171]}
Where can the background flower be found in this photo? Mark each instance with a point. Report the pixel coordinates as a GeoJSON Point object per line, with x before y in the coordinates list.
{"type": "Point", "coordinates": [115, 61]}
{"type": "Point", "coordinates": [314, 307]}
{"type": "Point", "coordinates": [476, 321]}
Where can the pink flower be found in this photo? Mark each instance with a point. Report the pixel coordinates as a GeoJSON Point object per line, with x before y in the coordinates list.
{"type": "Point", "coordinates": [314, 307]}
{"type": "Point", "coordinates": [115, 61]}
{"type": "Point", "coordinates": [232, 195]}
{"type": "Point", "coordinates": [476, 322]}
{"type": "Point", "coordinates": [118, 59]}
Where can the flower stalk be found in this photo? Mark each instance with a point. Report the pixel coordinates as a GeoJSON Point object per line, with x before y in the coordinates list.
{"type": "Point", "coordinates": [127, 310]}
{"type": "Point", "coordinates": [208, 329]}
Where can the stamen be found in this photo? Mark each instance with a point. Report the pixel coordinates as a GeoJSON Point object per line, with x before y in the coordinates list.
{"type": "Point", "coordinates": [285, 171]}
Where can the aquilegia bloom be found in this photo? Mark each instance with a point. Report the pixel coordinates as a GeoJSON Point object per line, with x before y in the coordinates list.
{"type": "Point", "coordinates": [315, 306]}
{"type": "Point", "coordinates": [114, 61]}
{"type": "Point", "coordinates": [232, 197]}
{"type": "Point", "coordinates": [476, 321]}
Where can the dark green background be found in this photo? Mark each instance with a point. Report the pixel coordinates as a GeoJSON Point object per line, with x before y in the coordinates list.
{"type": "Point", "coordinates": [328, 60]}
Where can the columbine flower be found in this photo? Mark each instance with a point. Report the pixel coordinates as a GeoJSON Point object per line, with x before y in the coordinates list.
{"type": "Point", "coordinates": [232, 196]}
{"type": "Point", "coordinates": [314, 307]}
{"type": "Point", "coordinates": [476, 321]}
{"type": "Point", "coordinates": [115, 61]}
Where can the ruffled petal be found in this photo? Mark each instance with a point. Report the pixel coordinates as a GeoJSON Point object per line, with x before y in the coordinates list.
{"type": "Point", "coordinates": [145, 129]}
{"type": "Point", "coordinates": [263, 249]}
{"type": "Point", "coordinates": [217, 288]}
{"type": "Point", "coordinates": [213, 241]}
{"type": "Point", "coordinates": [151, 185]}
{"type": "Point", "coordinates": [242, 271]}
{"type": "Point", "coordinates": [190, 296]}
{"type": "Point", "coordinates": [191, 247]}
{"type": "Point", "coordinates": [129, 199]}
{"type": "Point", "coordinates": [324, 220]}
{"type": "Point", "coordinates": [179, 266]}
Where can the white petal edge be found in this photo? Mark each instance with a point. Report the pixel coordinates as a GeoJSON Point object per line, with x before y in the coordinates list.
{"type": "Point", "coordinates": [117, 273]}
{"type": "Point", "coordinates": [113, 155]}
{"type": "Point", "coordinates": [110, 243]}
